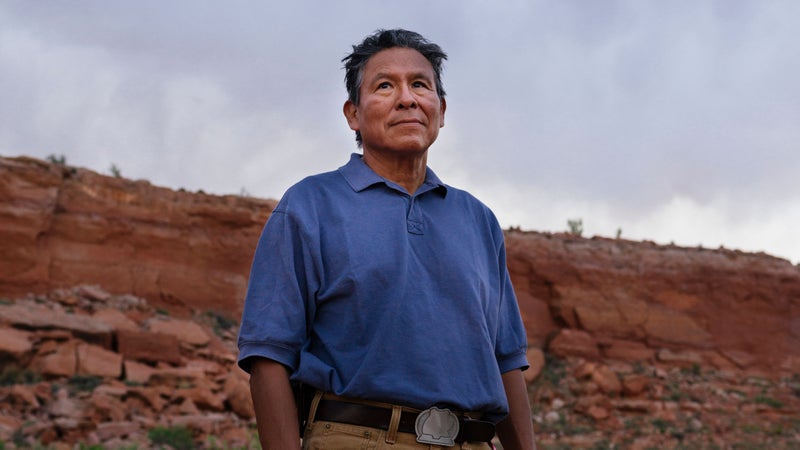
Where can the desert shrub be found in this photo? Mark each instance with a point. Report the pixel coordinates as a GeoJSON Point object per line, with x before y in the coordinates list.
{"type": "Point", "coordinates": [769, 401]}
{"type": "Point", "coordinates": [219, 322]}
{"type": "Point", "coordinates": [84, 383]}
{"type": "Point", "coordinates": [61, 160]}
{"type": "Point", "coordinates": [177, 438]}
{"type": "Point", "coordinates": [575, 226]}
{"type": "Point", "coordinates": [12, 375]}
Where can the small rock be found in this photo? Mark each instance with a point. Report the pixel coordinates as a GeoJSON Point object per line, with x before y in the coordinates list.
{"type": "Point", "coordinates": [185, 330]}
{"type": "Point", "coordinates": [552, 417]}
{"type": "Point", "coordinates": [633, 385]}
{"type": "Point", "coordinates": [92, 292]}
{"type": "Point", "coordinates": [607, 380]}
{"type": "Point", "coordinates": [597, 412]}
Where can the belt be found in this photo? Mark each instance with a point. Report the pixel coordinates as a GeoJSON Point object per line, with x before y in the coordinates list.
{"type": "Point", "coordinates": [470, 430]}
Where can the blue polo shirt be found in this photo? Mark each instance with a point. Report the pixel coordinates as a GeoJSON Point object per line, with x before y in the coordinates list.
{"type": "Point", "coordinates": [365, 291]}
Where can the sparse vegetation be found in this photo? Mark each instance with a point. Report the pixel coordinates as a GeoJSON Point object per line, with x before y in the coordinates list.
{"type": "Point", "coordinates": [575, 226]}
{"type": "Point", "coordinates": [769, 401]}
{"type": "Point", "coordinates": [83, 446]}
{"type": "Point", "coordinates": [115, 171]}
{"type": "Point", "coordinates": [60, 160]}
{"type": "Point", "coordinates": [11, 375]}
{"type": "Point", "coordinates": [84, 383]}
{"type": "Point", "coordinates": [554, 370]}
{"type": "Point", "coordinates": [680, 407]}
{"type": "Point", "coordinates": [661, 424]}
{"type": "Point", "coordinates": [176, 438]}
{"type": "Point", "coordinates": [218, 321]}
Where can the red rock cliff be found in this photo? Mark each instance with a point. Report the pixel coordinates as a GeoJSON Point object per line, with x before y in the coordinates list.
{"type": "Point", "coordinates": [617, 299]}
{"type": "Point", "coordinates": [630, 300]}
{"type": "Point", "coordinates": [62, 226]}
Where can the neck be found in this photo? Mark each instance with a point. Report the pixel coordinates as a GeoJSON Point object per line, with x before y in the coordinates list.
{"type": "Point", "coordinates": [406, 170]}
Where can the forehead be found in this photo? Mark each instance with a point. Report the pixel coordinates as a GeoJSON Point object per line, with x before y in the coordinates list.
{"type": "Point", "coordinates": [397, 60]}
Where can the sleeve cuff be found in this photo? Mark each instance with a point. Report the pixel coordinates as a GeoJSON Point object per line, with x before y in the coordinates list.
{"type": "Point", "coordinates": [248, 351]}
{"type": "Point", "coordinates": [515, 361]}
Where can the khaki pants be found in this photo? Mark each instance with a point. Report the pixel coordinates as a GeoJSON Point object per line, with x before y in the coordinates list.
{"type": "Point", "coordinates": [321, 435]}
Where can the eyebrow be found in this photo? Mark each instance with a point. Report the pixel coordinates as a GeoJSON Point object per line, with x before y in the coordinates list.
{"type": "Point", "coordinates": [413, 76]}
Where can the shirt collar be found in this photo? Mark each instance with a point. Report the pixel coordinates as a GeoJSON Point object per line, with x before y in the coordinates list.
{"type": "Point", "coordinates": [360, 176]}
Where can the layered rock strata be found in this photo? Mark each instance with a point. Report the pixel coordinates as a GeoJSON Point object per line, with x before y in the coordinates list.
{"type": "Point", "coordinates": [595, 298]}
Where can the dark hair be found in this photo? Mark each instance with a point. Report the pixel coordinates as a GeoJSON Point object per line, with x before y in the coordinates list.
{"type": "Point", "coordinates": [355, 62]}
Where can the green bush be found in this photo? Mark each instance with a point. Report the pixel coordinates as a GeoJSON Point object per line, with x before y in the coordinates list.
{"type": "Point", "coordinates": [219, 322]}
{"type": "Point", "coordinates": [12, 375]}
{"type": "Point", "coordinates": [84, 383]}
{"type": "Point", "coordinates": [769, 401]}
{"type": "Point", "coordinates": [575, 226]}
{"type": "Point", "coordinates": [60, 160]}
{"type": "Point", "coordinates": [177, 438]}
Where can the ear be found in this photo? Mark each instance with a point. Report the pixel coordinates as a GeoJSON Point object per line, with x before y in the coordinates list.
{"type": "Point", "coordinates": [442, 108]}
{"type": "Point", "coordinates": [351, 114]}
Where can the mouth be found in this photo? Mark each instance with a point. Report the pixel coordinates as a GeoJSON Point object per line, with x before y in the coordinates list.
{"type": "Point", "coordinates": [408, 122]}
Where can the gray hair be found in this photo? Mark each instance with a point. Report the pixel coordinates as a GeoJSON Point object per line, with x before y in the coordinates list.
{"type": "Point", "coordinates": [355, 62]}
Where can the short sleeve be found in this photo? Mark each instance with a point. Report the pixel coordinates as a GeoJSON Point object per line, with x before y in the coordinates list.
{"type": "Point", "coordinates": [274, 324]}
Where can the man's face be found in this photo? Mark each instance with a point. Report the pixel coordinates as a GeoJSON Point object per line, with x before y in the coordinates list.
{"type": "Point", "coordinates": [399, 109]}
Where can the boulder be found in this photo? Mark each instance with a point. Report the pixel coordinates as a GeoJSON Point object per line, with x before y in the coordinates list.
{"type": "Point", "coordinates": [237, 393]}
{"type": "Point", "coordinates": [115, 319]}
{"type": "Point", "coordinates": [149, 347]}
{"type": "Point", "coordinates": [185, 331]}
{"type": "Point", "coordinates": [57, 361]}
{"type": "Point", "coordinates": [15, 344]}
{"type": "Point", "coordinates": [94, 360]}
{"type": "Point", "coordinates": [41, 318]}
{"type": "Point", "coordinates": [136, 372]}
{"type": "Point", "coordinates": [607, 380]}
{"type": "Point", "coordinates": [570, 342]}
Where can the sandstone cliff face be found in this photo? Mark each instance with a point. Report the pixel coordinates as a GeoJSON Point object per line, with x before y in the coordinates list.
{"type": "Point", "coordinates": [63, 226]}
{"type": "Point", "coordinates": [595, 298]}
{"type": "Point", "coordinates": [629, 300]}
{"type": "Point", "coordinates": [647, 346]}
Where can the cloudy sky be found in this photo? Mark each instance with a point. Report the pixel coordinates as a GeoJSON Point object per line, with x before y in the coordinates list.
{"type": "Point", "coordinates": [672, 121]}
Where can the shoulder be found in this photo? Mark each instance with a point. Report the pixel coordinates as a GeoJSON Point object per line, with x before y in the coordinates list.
{"type": "Point", "coordinates": [309, 190]}
{"type": "Point", "coordinates": [467, 200]}
{"type": "Point", "coordinates": [471, 205]}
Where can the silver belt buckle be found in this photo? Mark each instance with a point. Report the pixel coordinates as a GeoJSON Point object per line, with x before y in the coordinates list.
{"type": "Point", "coordinates": [437, 426]}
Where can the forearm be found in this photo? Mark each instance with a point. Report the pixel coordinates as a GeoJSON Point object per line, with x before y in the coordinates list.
{"type": "Point", "coordinates": [516, 430]}
{"type": "Point", "coordinates": [276, 412]}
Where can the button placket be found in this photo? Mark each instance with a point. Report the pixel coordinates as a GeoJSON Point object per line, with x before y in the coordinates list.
{"type": "Point", "coordinates": [414, 221]}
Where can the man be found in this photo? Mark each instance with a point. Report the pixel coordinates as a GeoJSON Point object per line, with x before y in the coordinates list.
{"type": "Point", "coordinates": [383, 289]}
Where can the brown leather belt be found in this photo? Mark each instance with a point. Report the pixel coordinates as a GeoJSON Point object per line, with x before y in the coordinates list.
{"type": "Point", "coordinates": [470, 430]}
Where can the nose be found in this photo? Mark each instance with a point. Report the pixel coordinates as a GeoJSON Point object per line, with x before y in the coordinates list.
{"type": "Point", "coordinates": [406, 98]}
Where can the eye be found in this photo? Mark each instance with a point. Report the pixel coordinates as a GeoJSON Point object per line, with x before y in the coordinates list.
{"type": "Point", "coordinates": [420, 84]}
{"type": "Point", "coordinates": [384, 85]}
